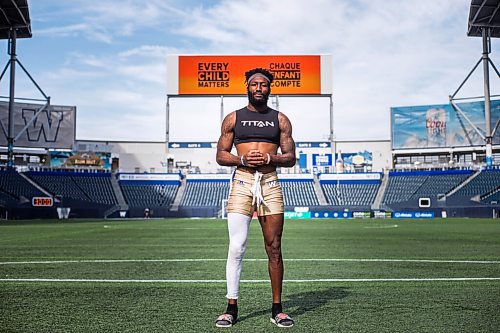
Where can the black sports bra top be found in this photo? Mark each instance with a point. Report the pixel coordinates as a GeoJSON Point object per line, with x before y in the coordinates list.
{"type": "Point", "coordinates": [257, 126]}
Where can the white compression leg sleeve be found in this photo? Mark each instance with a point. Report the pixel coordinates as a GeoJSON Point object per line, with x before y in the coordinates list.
{"type": "Point", "coordinates": [237, 225]}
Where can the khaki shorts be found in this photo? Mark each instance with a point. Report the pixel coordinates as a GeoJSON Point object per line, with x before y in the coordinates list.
{"type": "Point", "coordinates": [241, 197]}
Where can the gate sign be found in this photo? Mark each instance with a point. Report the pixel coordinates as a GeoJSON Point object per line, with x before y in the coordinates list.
{"type": "Point", "coordinates": [53, 128]}
{"type": "Point", "coordinates": [225, 74]}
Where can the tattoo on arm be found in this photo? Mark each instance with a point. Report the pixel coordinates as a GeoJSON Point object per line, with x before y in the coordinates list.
{"type": "Point", "coordinates": [287, 145]}
{"type": "Point", "coordinates": [225, 143]}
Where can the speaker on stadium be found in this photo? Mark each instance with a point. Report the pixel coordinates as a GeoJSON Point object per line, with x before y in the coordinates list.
{"type": "Point", "coordinates": [424, 202]}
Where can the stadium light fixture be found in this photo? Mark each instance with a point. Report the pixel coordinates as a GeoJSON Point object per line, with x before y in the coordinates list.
{"type": "Point", "coordinates": [15, 23]}
{"type": "Point", "coordinates": [484, 22]}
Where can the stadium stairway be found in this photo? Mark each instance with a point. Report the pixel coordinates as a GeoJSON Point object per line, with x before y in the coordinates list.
{"type": "Point", "coordinates": [118, 194]}
{"type": "Point", "coordinates": [319, 191]}
{"type": "Point", "coordinates": [41, 189]}
{"type": "Point", "coordinates": [381, 192]}
{"type": "Point", "coordinates": [467, 181]}
{"type": "Point", "coordinates": [178, 196]}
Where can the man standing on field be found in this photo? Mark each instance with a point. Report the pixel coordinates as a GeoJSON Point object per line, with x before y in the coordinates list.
{"type": "Point", "coordinates": [257, 132]}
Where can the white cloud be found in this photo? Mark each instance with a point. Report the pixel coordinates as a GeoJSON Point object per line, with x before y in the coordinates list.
{"type": "Point", "coordinates": [63, 31]}
{"type": "Point", "coordinates": [151, 51]}
{"type": "Point", "coordinates": [105, 21]}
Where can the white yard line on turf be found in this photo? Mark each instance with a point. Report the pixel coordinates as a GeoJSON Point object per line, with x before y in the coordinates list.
{"type": "Point", "coordinates": [221, 259]}
{"type": "Point", "coordinates": [255, 281]}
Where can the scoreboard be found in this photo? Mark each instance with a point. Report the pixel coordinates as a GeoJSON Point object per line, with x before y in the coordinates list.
{"type": "Point", "coordinates": [42, 202]}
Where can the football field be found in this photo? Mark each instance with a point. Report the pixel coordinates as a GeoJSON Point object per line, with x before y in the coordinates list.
{"type": "Point", "coordinates": [168, 275]}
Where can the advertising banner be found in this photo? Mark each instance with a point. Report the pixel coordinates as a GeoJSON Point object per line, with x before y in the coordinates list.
{"type": "Point", "coordinates": [382, 215]}
{"type": "Point", "coordinates": [435, 126]}
{"type": "Point", "coordinates": [66, 159]}
{"type": "Point", "coordinates": [297, 215]}
{"type": "Point", "coordinates": [413, 215]}
{"type": "Point", "coordinates": [331, 215]}
{"type": "Point", "coordinates": [361, 215]}
{"type": "Point", "coordinates": [53, 128]}
{"type": "Point", "coordinates": [360, 161]}
{"type": "Point", "coordinates": [225, 74]}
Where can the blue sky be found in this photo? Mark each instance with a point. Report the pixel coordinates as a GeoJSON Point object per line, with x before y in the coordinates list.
{"type": "Point", "coordinates": [108, 59]}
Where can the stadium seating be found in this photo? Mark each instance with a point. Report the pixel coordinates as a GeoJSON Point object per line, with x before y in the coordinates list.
{"type": "Point", "coordinates": [486, 182]}
{"type": "Point", "coordinates": [92, 187]}
{"type": "Point", "coordinates": [440, 184]}
{"type": "Point", "coordinates": [97, 187]}
{"type": "Point", "coordinates": [149, 195]}
{"type": "Point", "coordinates": [205, 193]}
{"type": "Point", "coordinates": [211, 193]}
{"type": "Point", "coordinates": [350, 189]}
{"type": "Point", "coordinates": [299, 193]}
{"type": "Point", "coordinates": [59, 184]}
{"type": "Point", "coordinates": [15, 186]}
{"type": "Point", "coordinates": [6, 199]}
{"type": "Point", "coordinates": [404, 186]}
{"type": "Point", "coordinates": [350, 194]}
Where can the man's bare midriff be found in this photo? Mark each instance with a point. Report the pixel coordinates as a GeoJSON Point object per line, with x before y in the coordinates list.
{"type": "Point", "coordinates": [264, 148]}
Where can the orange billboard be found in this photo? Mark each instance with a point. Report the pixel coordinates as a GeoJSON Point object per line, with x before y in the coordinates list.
{"type": "Point", "coordinates": [225, 74]}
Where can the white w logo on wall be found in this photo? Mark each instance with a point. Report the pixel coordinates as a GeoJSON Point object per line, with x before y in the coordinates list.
{"type": "Point", "coordinates": [53, 127]}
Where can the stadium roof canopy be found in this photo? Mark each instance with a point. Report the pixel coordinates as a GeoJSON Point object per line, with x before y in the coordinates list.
{"type": "Point", "coordinates": [15, 14]}
{"type": "Point", "coordinates": [484, 14]}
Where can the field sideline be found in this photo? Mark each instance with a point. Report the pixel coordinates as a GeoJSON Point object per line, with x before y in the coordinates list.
{"type": "Point", "coordinates": [440, 275]}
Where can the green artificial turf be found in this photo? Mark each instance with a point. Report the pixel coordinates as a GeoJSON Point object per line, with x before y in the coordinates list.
{"type": "Point", "coordinates": [145, 257]}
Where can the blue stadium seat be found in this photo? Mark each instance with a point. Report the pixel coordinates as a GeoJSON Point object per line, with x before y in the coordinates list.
{"type": "Point", "coordinates": [299, 193]}
{"type": "Point", "coordinates": [13, 186]}
{"type": "Point", "coordinates": [350, 194]}
{"type": "Point", "coordinates": [404, 186]}
{"type": "Point", "coordinates": [97, 187]}
{"type": "Point", "coordinates": [92, 187]}
{"type": "Point", "coordinates": [149, 195]}
{"type": "Point", "coordinates": [486, 182]}
{"type": "Point", "coordinates": [7, 199]}
{"type": "Point", "coordinates": [439, 184]}
{"type": "Point", "coordinates": [205, 193]}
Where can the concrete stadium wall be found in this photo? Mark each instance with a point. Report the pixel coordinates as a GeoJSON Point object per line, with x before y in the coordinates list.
{"type": "Point", "coordinates": [152, 156]}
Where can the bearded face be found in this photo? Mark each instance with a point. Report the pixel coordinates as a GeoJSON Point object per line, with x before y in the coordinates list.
{"type": "Point", "coordinates": [258, 91]}
{"type": "Point", "coordinates": [258, 98]}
